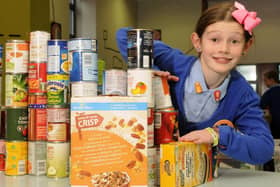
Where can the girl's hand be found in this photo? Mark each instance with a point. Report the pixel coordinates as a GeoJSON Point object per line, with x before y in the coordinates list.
{"type": "Point", "coordinates": [167, 75]}
{"type": "Point", "coordinates": [198, 137]}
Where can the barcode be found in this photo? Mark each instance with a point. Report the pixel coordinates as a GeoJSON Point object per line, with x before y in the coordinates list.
{"type": "Point", "coordinates": [41, 166]}
{"type": "Point", "coordinates": [87, 58]}
{"type": "Point", "coordinates": [157, 120]}
{"type": "Point", "coordinates": [21, 166]}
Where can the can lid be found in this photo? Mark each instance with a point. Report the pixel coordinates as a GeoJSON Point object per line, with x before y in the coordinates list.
{"type": "Point", "coordinates": [16, 41]}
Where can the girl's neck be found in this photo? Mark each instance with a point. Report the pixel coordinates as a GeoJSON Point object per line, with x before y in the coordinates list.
{"type": "Point", "coordinates": [213, 79]}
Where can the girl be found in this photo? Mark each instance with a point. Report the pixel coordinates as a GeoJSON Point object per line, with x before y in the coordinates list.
{"type": "Point", "coordinates": [216, 104]}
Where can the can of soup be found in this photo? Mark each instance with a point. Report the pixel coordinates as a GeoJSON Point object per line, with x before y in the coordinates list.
{"type": "Point", "coordinates": [16, 90]}
{"type": "Point", "coordinates": [114, 82]}
{"type": "Point", "coordinates": [140, 48]}
{"type": "Point", "coordinates": [58, 159]}
{"type": "Point", "coordinates": [16, 158]}
{"type": "Point", "coordinates": [58, 57]}
{"type": "Point", "coordinates": [16, 56]}
{"type": "Point", "coordinates": [37, 77]}
{"type": "Point", "coordinates": [165, 124]}
{"type": "Point", "coordinates": [37, 122]}
{"type": "Point", "coordinates": [37, 157]}
{"type": "Point", "coordinates": [16, 124]}
{"type": "Point", "coordinates": [83, 89]}
{"type": "Point", "coordinates": [57, 89]}
{"type": "Point", "coordinates": [139, 83]}
{"type": "Point", "coordinates": [84, 66]}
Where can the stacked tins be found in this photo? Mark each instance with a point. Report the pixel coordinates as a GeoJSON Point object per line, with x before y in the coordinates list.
{"type": "Point", "coordinates": [83, 68]}
{"type": "Point", "coordinates": [37, 103]}
{"type": "Point", "coordinates": [58, 129]}
{"type": "Point", "coordinates": [15, 106]}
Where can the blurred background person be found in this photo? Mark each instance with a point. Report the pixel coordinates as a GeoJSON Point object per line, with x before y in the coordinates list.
{"type": "Point", "coordinates": [270, 102]}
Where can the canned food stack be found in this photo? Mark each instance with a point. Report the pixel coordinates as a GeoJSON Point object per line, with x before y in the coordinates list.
{"type": "Point", "coordinates": [2, 124]}
{"type": "Point", "coordinates": [15, 113]}
{"type": "Point", "coordinates": [58, 127]}
{"type": "Point", "coordinates": [140, 83]}
{"type": "Point", "coordinates": [37, 103]}
{"type": "Point", "coordinates": [83, 67]}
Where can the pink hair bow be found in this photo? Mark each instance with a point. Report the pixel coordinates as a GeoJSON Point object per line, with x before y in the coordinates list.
{"type": "Point", "coordinates": [248, 19]}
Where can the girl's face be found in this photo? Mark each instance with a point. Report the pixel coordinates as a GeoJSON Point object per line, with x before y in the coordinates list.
{"type": "Point", "coordinates": [221, 46]}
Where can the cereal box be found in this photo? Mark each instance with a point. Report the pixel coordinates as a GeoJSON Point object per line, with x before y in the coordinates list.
{"type": "Point", "coordinates": [109, 142]}
{"type": "Point", "coordinates": [185, 164]}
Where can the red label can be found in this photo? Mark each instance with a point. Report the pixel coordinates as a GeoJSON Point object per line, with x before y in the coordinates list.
{"type": "Point", "coordinates": [165, 124]}
{"type": "Point", "coordinates": [37, 123]}
{"type": "Point", "coordinates": [37, 99]}
{"type": "Point", "coordinates": [37, 77]}
{"type": "Point", "coordinates": [2, 154]}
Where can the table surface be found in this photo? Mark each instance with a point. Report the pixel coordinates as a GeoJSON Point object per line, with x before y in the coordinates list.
{"type": "Point", "coordinates": [227, 178]}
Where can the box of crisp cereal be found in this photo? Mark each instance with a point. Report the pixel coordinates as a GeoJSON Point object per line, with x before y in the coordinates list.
{"type": "Point", "coordinates": [109, 142]}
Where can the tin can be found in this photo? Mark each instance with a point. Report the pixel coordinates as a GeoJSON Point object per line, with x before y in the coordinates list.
{"type": "Point", "coordinates": [83, 89]}
{"type": "Point", "coordinates": [16, 158]}
{"type": "Point", "coordinates": [37, 122]}
{"type": "Point", "coordinates": [162, 94]}
{"type": "Point", "coordinates": [39, 46]}
{"type": "Point", "coordinates": [82, 44]}
{"type": "Point", "coordinates": [16, 90]}
{"type": "Point", "coordinates": [16, 124]}
{"type": "Point", "coordinates": [84, 66]}
{"type": "Point", "coordinates": [37, 158]}
{"type": "Point", "coordinates": [165, 123]}
{"type": "Point", "coordinates": [114, 82]}
{"type": "Point", "coordinates": [58, 57]}
{"type": "Point", "coordinates": [58, 114]}
{"type": "Point", "coordinates": [140, 48]}
{"type": "Point", "coordinates": [37, 77]}
{"type": "Point", "coordinates": [57, 89]}
{"type": "Point", "coordinates": [152, 166]}
{"type": "Point", "coordinates": [139, 83]}
{"type": "Point", "coordinates": [16, 56]}
{"type": "Point", "coordinates": [58, 132]}
{"type": "Point", "coordinates": [39, 98]}
{"type": "Point", "coordinates": [2, 155]}
{"type": "Point", "coordinates": [57, 160]}
{"type": "Point", "coordinates": [1, 57]}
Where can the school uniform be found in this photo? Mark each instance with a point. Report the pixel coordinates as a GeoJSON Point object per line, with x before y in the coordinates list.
{"type": "Point", "coordinates": [237, 102]}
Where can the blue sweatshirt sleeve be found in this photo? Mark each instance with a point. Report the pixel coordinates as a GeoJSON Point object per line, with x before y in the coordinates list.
{"type": "Point", "coordinates": [252, 142]}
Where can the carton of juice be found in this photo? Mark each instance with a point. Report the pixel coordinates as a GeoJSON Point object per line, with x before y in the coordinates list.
{"type": "Point", "coordinates": [109, 142]}
{"type": "Point", "coordinates": [185, 164]}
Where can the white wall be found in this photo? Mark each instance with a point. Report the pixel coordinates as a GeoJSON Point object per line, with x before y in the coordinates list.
{"type": "Point", "coordinates": [86, 18]}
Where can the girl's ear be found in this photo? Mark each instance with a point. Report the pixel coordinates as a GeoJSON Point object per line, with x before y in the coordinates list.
{"type": "Point", "coordinates": [196, 41]}
{"type": "Point", "coordinates": [247, 45]}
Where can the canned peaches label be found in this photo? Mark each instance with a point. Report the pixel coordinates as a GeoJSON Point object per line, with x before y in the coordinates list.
{"type": "Point", "coordinates": [119, 147]}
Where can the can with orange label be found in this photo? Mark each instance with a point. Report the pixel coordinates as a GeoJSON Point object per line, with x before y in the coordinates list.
{"type": "Point", "coordinates": [58, 132]}
{"type": "Point", "coordinates": [16, 158]}
{"type": "Point", "coordinates": [37, 98]}
{"type": "Point", "coordinates": [16, 56]}
{"type": "Point", "coordinates": [37, 122]}
{"type": "Point", "coordinates": [37, 77]}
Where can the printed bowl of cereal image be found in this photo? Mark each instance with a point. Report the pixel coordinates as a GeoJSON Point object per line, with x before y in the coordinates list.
{"type": "Point", "coordinates": [111, 179]}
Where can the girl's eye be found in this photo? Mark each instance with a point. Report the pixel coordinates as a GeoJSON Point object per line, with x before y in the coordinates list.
{"type": "Point", "coordinates": [214, 39]}
{"type": "Point", "coordinates": [235, 41]}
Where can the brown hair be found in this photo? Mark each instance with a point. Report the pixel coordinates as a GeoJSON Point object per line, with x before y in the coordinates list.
{"type": "Point", "coordinates": [272, 75]}
{"type": "Point", "coordinates": [216, 13]}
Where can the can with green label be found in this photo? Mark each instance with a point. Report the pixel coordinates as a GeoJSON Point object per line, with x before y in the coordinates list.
{"type": "Point", "coordinates": [57, 89]}
{"type": "Point", "coordinates": [16, 123]}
